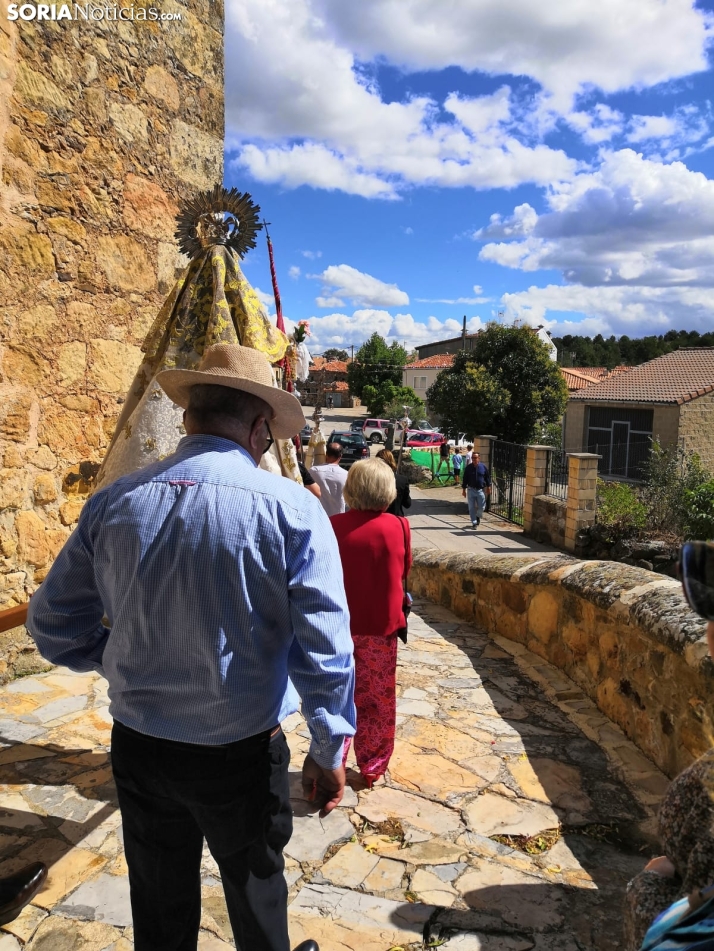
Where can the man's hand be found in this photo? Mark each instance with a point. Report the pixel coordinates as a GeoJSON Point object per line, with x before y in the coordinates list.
{"type": "Point", "coordinates": [463, 492]}
{"type": "Point", "coordinates": [325, 787]}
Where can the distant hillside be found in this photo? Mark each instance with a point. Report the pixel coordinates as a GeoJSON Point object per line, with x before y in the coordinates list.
{"type": "Point", "coordinates": [576, 351]}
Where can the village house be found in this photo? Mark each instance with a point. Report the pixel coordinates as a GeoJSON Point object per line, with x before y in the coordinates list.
{"type": "Point", "coordinates": [670, 399]}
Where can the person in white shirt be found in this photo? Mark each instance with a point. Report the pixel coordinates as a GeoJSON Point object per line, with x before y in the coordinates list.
{"type": "Point", "coordinates": [469, 454]}
{"type": "Point", "coordinates": [331, 479]}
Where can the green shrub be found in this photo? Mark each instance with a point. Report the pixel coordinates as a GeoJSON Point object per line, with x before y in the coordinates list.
{"type": "Point", "coordinates": [670, 474]}
{"type": "Point", "coordinates": [619, 508]}
{"type": "Point", "coordinates": [699, 512]}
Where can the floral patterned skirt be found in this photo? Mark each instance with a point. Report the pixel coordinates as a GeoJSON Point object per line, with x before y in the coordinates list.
{"type": "Point", "coordinates": [375, 699]}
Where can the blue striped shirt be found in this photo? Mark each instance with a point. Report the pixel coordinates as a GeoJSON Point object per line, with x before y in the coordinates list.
{"type": "Point", "coordinates": [222, 586]}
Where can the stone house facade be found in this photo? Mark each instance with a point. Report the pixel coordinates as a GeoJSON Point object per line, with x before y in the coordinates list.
{"type": "Point", "coordinates": [670, 398]}
{"type": "Point", "coordinates": [422, 373]}
{"type": "Point", "coordinates": [104, 127]}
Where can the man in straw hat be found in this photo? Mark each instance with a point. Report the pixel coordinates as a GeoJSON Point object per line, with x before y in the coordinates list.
{"type": "Point", "coordinates": [221, 588]}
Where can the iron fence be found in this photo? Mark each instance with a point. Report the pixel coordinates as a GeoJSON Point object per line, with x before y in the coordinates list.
{"type": "Point", "coordinates": [508, 477]}
{"type": "Point", "coordinates": [556, 474]}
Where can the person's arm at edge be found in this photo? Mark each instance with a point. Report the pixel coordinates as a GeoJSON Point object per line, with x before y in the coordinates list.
{"type": "Point", "coordinates": [320, 663]}
{"type": "Point", "coordinates": [64, 616]}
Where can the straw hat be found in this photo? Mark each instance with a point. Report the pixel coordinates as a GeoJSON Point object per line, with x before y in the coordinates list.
{"type": "Point", "coordinates": [240, 368]}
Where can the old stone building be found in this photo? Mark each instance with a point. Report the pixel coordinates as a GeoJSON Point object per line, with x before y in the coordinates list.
{"type": "Point", "coordinates": [104, 126]}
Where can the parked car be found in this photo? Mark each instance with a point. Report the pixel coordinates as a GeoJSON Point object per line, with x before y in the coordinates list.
{"type": "Point", "coordinates": [425, 426]}
{"type": "Point", "coordinates": [305, 434]}
{"type": "Point", "coordinates": [461, 441]}
{"type": "Point", "coordinates": [420, 440]}
{"type": "Point", "coordinates": [375, 430]}
{"type": "Point", "coordinates": [354, 447]}
{"type": "Point", "coordinates": [357, 425]}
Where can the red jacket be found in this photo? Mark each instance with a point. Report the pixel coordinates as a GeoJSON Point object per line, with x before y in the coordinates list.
{"type": "Point", "coordinates": [373, 561]}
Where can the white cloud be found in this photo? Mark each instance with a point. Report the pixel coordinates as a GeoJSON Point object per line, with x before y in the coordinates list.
{"type": "Point", "coordinates": [634, 221]}
{"type": "Point", "coordinates": [345, 330]}
{"type": "Point", "coordinates": [301, 112]}
{"type": "Point", "coordinates": [565, 47]}
{"type": "Point", "coordinates": [635, 311]}
{"type": "Point", "coordinates": [294, 272]}
{"type": "Point", "coordinates": [346, 281]}
{"type": "Point", "coordinates": [598, 125]}
{"type": "Point", "coordinates": [329, 301]}
{"type": "Point", "coordinates": [408, 230]}
{"type": "Point", "coordinates": [479, 299]}
{"type": "Point", "coordinates": [312, 255]}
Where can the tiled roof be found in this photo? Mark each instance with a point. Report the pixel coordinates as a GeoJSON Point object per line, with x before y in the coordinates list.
{"type": "Point", "coordinates": [334, 366]}
{"type": "Point", "coordinates": [339, 386]}
{"type": "Point", "coordinates": [676, 377]}
{"type": "Point", "coordinates": [577, 379]}
{"type": "Point", "coordinates": [439, 361]}
{"type": "Point", "coordinates": [317, 363]}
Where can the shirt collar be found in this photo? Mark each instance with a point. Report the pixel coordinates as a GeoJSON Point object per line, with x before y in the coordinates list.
{"type": "Point", "coordinates": [201, 442]}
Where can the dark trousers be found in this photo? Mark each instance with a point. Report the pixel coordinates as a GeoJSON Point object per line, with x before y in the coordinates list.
{"type": "Point", "coordinates": [171, 796]}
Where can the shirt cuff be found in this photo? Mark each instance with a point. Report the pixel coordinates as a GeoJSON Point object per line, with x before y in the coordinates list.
{"type": "Point", "coordinates": [328, 755]}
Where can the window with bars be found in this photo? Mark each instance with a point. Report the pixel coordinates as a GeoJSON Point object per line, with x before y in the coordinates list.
{"type": "Point", "coordinates": [622, 437]}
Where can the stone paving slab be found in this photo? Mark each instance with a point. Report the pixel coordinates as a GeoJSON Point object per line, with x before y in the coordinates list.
{"type": "Point", "coordinates": [491, 741]}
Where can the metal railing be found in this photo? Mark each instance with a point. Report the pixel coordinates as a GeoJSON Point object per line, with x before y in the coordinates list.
{"type": "Point", "coordinates": [556, 474]}
{"type": "Point", "coordinates": [508, 478]}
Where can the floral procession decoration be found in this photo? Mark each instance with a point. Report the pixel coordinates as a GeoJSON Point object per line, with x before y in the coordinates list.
{"type": "Point", "coordinates": [301, 364]}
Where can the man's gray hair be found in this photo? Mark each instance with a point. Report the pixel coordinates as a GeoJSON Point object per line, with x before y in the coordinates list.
{"type": "Point", "coordinates": [208, 402]}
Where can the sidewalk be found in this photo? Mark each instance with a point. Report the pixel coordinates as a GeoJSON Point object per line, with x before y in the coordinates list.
{"type": "Point", "coordinates": [488, 745]}
{"type": "Point", "coordinates": [439, 518]}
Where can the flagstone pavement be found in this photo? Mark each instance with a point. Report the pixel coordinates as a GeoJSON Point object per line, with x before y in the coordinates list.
{"type": "Point", "coordinates": [492, 741]}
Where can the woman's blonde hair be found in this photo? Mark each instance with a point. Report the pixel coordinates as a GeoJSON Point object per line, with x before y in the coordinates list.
{"type": "Point", "coordinates": [370, 486]}
{"type": "Point", "coordinates": [386, 456]}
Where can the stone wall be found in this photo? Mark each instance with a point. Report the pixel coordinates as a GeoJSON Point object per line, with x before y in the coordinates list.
{"type": "Point", "coordinates": [696, 428]}
{"type": "Point", "coordinates": [548, 525]}
{"type": "Point", "coordinates": [624, 635]}
{"type": "Point", "coordinates": [104, 126]}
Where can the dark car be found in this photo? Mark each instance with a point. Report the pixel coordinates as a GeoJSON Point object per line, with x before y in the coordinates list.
{"type": "Point", "coordinates": [354, 447]}
{"type": "Point", "coordinates": [305, 434]}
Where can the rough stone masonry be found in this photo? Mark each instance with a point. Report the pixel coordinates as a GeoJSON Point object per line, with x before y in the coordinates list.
{"type": "Point", "coordinates": [103, 127]}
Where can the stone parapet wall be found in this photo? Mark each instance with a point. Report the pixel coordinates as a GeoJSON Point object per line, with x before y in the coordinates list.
{"type": "Point", "coordinates": [624, 635]}
{"type": "Point", "coordinates": [104, 127]}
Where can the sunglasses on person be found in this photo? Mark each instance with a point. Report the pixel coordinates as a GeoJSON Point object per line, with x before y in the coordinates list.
{"type": "Point", "coordinates": [696, 569]}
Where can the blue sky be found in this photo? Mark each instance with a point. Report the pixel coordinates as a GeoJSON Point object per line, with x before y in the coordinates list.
{"type": "Point", "coordinates": [421, 160]}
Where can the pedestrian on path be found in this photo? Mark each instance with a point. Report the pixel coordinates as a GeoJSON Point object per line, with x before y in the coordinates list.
{"type": "Point", "coordinates": [222, 589]}
{"type": "Point", "coordinates": [457, 462]}
{"type": "Point", "coordinates": [375, 549]}
{"type": "Point", "coordinates": [331, 478]}
{"type": "Point", "coordinates": [476, 485]}
{"type": "Point", "coordinates": [403, 499]}
{"type": "Point", "coordinates": [469, 454]}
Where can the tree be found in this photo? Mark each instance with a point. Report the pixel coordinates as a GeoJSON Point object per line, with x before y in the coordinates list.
{"type": "Point", "coordinates": [332, 353]}
{"type": "Point", "coordinates": [507, 385]}
{"type": "Point", "coordinates": [388, 400]}
{"type": "Point", "coordinates": [376, 362]}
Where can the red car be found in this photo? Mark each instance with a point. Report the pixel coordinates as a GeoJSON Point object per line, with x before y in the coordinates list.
{"type": "Point", "coordinates": [420, 440]}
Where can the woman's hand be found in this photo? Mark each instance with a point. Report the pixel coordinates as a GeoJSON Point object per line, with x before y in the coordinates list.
{"type": "Point", "coordinates": [661, 866]}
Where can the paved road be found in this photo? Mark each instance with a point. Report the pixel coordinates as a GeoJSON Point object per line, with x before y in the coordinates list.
{"type": "Point", "coordinates": [439, 516]}
{"type": "Point", "coordinates": [491, 741]}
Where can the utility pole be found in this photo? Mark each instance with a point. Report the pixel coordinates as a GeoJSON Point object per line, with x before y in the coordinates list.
{"type": "Point", "coordinates": [463, 334]}
{"type": "Point", "coordinates": [352, 347]}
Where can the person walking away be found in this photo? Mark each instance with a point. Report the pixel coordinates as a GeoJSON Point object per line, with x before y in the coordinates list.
{"type": "Point", "coordinates": [331, 479]}
{"type": "Point", "coordinates": [444, 454]}
{"type": "Point", "coordinates": [223, 595]}
{"type": "Point", "coordinates": [476, 485]}
{"type": "Point", "coordinates": [307, 479]}
{"type": "Point", "coordinates": [403, 499]}
{"type": "Point", "coordinates": [375, 549]}
{"type": "Point", "coordinates": [457, 461]}
{"type": "Point", "coordinates": [469, 454]}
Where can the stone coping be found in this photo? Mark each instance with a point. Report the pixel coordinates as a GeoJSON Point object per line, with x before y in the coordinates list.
{"type": "Point", "coordinates": [656, 604]}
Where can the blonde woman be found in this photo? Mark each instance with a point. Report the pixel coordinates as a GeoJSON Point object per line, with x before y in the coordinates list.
{"type": "Point", "coordinates": [375, 549]}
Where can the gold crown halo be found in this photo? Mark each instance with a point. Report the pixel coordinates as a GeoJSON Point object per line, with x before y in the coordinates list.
{"type": "Point", "coordinates": [218, 216]}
